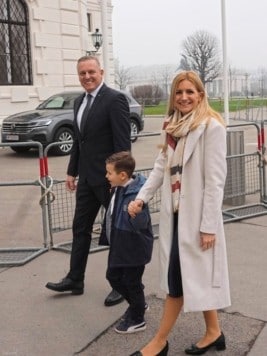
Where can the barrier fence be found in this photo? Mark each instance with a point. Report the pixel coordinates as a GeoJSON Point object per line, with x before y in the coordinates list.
{"type": "Point", "coordinates": [245, 188]}
{"type": "Point", "coordinates": [16, 256]}
{"type": "Point", "coordinates": [244, 194]}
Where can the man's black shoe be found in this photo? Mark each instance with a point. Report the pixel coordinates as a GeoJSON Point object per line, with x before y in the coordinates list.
{"type": "Point", "coordinates": [113, 298]}
{"type": "Point", "coordinates": [67, 285]}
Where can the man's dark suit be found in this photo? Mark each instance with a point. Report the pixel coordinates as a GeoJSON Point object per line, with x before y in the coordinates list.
{"type": "Point", "coordinates": [107, 130]}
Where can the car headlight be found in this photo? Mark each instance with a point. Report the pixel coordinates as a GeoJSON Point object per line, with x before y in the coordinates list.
{"type": "Point", "coordinates": [44, 122]}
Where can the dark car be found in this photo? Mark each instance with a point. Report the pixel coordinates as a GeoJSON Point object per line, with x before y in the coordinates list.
{"type": "Point", "coordinates": [52, 121]}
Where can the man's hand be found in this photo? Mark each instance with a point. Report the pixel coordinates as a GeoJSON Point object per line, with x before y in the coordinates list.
{"type": "Point", "coordinates": [70, 184]}
{"type": "Point", "coordinates": [135, 207]}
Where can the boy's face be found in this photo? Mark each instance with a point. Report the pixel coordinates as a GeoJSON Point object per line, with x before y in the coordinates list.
{"type": "Point", "coordinates": [115, 179]}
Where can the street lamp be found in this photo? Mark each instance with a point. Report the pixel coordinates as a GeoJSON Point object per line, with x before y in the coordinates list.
{"type": "Point", "coordinates": [97, 42]}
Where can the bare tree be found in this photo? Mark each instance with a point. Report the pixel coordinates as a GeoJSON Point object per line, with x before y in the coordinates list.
{"type": "Point", "coordinates": [163, 77]}
{"type": "Point", "coordinates": [122, 76]}
{"type": "Point", "coordinates": [232, 73]}
{"type": "Point", "coordinates": [166, 76]}
{"type": "Point", "coordinates": [147, 94]}
{"type": "Point", "coordinates": [262, 75]}
{"type": "Point", "coordinates": [200, 52]}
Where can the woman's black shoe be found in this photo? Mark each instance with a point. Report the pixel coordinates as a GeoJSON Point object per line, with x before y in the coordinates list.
{"type": "Point", "coordinates": [219, 344]}
{"type": "Point", "coordinates": [163, 352]}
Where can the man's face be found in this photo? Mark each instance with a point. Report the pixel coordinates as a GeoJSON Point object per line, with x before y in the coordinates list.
{"type": "Point", "coordinates": [90, 74]}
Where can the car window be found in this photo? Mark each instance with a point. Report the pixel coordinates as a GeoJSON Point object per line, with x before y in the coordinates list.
{"type": "Point", "coordinates": [130, 98]}
{"type": "Point", "coordinates": [69, 103]}
{"type": "Point", "coordinates": [65, 101]}
{"type": "Point", "coordinates": [54, 102]}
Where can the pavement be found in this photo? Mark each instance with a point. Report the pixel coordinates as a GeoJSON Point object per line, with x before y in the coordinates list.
{"type": "Point", "coordinates": [38, 322]}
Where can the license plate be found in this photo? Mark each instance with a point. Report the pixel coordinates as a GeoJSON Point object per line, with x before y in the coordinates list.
{"type": "Point", "coordinates": [12, 137]}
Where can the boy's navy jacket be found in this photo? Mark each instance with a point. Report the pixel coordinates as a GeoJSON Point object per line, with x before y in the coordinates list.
{"type": "Point", "coordinates": [131, 239]}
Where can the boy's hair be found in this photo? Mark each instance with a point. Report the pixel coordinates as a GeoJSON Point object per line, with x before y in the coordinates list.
{"type": "Point", "coordinates": [123, 162]}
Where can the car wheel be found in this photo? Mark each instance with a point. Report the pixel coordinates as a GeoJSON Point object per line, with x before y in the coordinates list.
{"type": "Point", "coordinates": [20, 149]}
{"type": "Point", "coordinates": [134, 130]}
{"type": "Point", "coordinates": [63, 134]}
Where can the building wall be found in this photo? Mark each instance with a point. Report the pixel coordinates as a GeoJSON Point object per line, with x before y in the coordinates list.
{"type": "Point", "coordinates": [58, 37]}
{"type": "Point", "coordinates": [238, 85]}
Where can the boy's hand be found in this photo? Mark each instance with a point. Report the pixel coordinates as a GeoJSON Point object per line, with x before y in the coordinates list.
{"type": "Point", "coordinates": [135, 207]}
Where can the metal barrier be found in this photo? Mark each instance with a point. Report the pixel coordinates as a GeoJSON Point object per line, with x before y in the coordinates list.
{"type": "Point", "coordinates": [62, 208]}
{"type": "Point", "coordinates": [246, 182]}
{"type": "Point", "coordinates": [263, 163]}
{"type": "Point", "coordinates": [249, 179]}
{"type": "Point", "coordinates": [250, 113]}
{"type": "Point", "coordinates": [61, 211]}
{"type": "Point", "coordinates": [16, 256]}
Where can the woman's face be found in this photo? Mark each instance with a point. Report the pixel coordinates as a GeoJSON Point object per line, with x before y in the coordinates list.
{"type": "Point", "coordinates": [187, 97]}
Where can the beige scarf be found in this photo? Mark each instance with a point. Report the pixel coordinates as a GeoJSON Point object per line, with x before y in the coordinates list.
{"type": "Point", "coordinates": [177, 128]}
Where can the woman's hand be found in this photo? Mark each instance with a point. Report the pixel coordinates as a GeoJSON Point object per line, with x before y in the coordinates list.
{"type": "Point", "coordinates": [207, 240]}
{"type": "Point", "coordinates": [135, 207]}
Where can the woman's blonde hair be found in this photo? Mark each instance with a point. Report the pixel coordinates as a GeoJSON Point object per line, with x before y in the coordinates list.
{"type": "Point", "coordinates": [203, 110]}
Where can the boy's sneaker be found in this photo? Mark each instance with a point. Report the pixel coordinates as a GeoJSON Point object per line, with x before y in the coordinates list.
{"type": "Point", "coordinates": [128, 326]}
{"type": "Point", "coordinates": [127, 312]}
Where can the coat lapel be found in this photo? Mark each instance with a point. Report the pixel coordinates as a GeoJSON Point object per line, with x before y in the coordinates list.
{"type": "Point", "coordinates": [77, 106]}
{"type": "Point", "coordinates": [192, 141]}
{"type": "Point", "coordinates": [76, 110]}
{"type": "Point", "coordinates": [97, 99]}
{"type": "Point", "coordinates": [95, 105]}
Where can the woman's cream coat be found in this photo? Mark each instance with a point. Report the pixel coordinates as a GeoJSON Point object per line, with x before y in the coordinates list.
{"type": "Point", "coordinates": [204, 273]}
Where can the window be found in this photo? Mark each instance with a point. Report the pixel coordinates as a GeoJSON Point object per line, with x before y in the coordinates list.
{"type": "Point", "coordinates": [15, 64]}
{"type": "Point", "coordinates": [89, 22]}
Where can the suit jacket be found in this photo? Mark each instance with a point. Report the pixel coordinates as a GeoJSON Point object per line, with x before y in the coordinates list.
{"type": "Point", "coordinates": [106, 131]}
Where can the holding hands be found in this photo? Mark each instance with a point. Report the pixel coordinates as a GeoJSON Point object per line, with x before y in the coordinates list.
{"type": "Point", "coordinates": [135, 207]}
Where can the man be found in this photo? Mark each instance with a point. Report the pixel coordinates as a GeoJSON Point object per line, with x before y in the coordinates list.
{"type": "Point", "coordinates": [102, 127]}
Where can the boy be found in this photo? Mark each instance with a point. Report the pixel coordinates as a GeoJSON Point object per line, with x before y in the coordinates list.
{"type": "Point", "coordinates": [130, 240]}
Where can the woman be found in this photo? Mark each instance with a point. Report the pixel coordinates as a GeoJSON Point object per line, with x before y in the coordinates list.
{"type": "Point", "coordinates": [191, 168]}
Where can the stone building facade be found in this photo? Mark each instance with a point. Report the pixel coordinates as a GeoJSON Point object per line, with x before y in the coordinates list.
{"type": "Point", "coordinates": [40, 42]}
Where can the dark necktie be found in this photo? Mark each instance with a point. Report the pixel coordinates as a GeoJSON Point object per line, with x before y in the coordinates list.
{"type": "Point", "coordinates": [85, 112]}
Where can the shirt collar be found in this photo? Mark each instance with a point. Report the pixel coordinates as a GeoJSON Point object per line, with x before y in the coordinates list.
{"type": "Point", "coordinates": [128, 182]}
{"type": "Point", "coordinates": [95, 92]}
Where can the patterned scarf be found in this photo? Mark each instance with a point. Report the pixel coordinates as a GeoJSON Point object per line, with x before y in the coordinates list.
{"type": "Point", "coordinates": [177, 128]}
